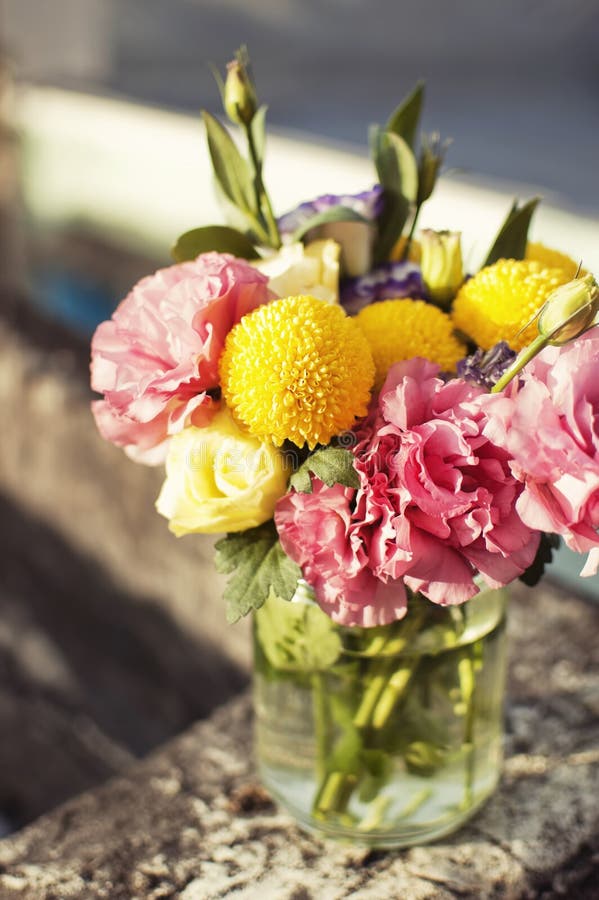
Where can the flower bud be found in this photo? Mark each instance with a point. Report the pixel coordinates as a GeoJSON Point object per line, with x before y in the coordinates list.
{"type": "Point", "coordinates": [431, 159]}
{"type": "Point", "coordinates": [441, 264]}
{"type": "Point", "coordinates": [569, 310]}
{"type": "Point", "coordinates": [239, 99]}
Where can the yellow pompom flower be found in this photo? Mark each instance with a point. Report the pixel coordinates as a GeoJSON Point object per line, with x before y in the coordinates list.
{"type": "Point", "coordinates": [553, 259]}
{"type": "Point", "coordinates": [297, 369]}
{"type": "Point", "coordinates": [499, 301]}
{"type": "Point", "coordinates": [400, 329]}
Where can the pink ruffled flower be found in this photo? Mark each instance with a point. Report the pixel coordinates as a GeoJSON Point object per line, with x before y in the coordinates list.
{"type": "Point", "coordinates": [157, 358]}
{"type": "Point", "coordinates": [550, 426]}
{"type": "Point", "coordinates": [436, 505]}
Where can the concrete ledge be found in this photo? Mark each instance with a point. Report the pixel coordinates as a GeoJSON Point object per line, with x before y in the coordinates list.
{"type": "Point", "coordinates": [192, 822]}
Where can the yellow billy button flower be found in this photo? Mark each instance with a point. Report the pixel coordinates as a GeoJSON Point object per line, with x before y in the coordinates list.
{"type": "Point", "coordinates": [499, 303]}
{"type": "Point", "coordinates": [553, 259]}
{"type": "Point", "coordinates": [441, 264]}
{"type": "Point", "coordinates": [568, 312]}
{"type": "Point", "coordinates": [220, 478]}
{"type": "Point", "coordinates": [400, 329]}
{"type": "Point", "coordinates": [297, 369]}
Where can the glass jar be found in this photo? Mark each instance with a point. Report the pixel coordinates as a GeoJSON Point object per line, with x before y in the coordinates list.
{"type": "Point", "coordinates": [386, 736]}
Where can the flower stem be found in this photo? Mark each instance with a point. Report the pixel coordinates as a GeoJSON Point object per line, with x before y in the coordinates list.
{"type": "Point", "coordinates": [467, 680]}
{"type": "Point", "coordinates": [263, 204]}
{"type": "Point", "coordinates": [321, 722]}
{"type": "Point", "coordinates": [521, 360]}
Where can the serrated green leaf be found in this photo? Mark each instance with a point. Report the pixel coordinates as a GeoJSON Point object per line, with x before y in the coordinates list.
{"type": "Point", "coordinates": [334, 214]}
{"type": "Point", "coordinates": [297, 637]}
{"type": "Point", "coordinates": [231, 169]}
{"type": "Point", "coordinates": [333, 465]}
{"type": "Point", "coordinates": [213, 237]}
{"type": "Point", "coordinates": [257, 565]}
{"type": "Point", "coordinates": [512, 237]}
{"type": "Point", "coordinates": [404, 120]}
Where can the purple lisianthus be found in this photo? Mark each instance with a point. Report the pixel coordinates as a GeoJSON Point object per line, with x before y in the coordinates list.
{"type": "Point", "coordinates": [485, 368]}
{"type": "Point", "coordinates": [388, 281]}
{"type": "Point", "coordinates": [368, 204]}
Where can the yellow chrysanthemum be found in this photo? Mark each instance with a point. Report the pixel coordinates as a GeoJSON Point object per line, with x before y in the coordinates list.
{"type": "Point", "coordinates": [297, 369]}
{"type": "Point", "coordinates": [553, 259]}
{"type": "Point", "coordinates": [400, 329]}
{"type": "Point", "coordinates": [499, 301]}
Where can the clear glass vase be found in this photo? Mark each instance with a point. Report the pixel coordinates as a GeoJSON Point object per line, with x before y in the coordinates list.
{"type": "Point", "coordinates": [387, 736]}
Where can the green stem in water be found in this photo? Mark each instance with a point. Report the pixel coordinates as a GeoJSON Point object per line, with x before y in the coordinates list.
{"type": "Point", "coordinates": [321, 722]}
{"type": "Point", "coordinates": [264, 207]}
{"type": "Point", "coordinates": [386, 686]}
{"type": "Point", "coordinates": [467, 680]}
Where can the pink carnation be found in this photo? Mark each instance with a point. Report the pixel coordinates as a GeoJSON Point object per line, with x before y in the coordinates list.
{"type": "Point", "coordinates": [156, 360]}
{"type": "Point", "coordinates": [550, 426]}
{"type": "Point", "coordinates": [436, 505]}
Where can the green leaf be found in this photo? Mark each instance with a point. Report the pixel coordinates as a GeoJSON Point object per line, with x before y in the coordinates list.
{"type": "Point", "coordinates": [334, 214]}
{"type": "Point", "coordinates": [213, 237]}
{"type": "Point", "coordinates": [511, 240]}
{"type": "Point", "coordinates": [333, 465]}
{"type": "Point", "coordinates": [395, 163]}
{"type": "Point", "coordinates": [397, 170]}
{"type": "Point", "coordinates": [258, 127]}
{"type": "Point", "coordinates": [297, 637]}
{"type": "Point", "coordinates": [257, 565]}
{"type": "Point", "coordinates": [231, 169]}
{"type": "Point", "coordinates": [404, 120]}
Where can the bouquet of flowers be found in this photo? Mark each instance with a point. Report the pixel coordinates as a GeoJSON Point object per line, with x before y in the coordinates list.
{"type": "Point", "coordinates": [386, 441]}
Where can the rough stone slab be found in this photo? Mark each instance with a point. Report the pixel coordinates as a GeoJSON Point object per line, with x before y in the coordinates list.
{"type": "Point", "coordinates": [192, 822]}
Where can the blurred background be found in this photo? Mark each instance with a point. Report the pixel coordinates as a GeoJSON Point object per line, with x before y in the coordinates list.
{"type": "Point", "coordinates": [112, 637]}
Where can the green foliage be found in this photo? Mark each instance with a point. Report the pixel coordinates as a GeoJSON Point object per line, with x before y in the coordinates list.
{"type": "Point", "coordinates": [213, 237]}
{"type": "Point", "coordinates": [405, 119]}
{"type": "Point", "coordinates": [512, 237]}
{"type": "Point", "coordinates": [297, 637]}
{"type": "Point", "coordinates": [232, 171]}
{"type": "Point", "coordinates": [397, 171]}
{"type": "Point", "coordinates": [257, 565]}
{"type": "Point", "coordinates": [258, 129]}
{"type": "Point", "coordinates": [333, 465]}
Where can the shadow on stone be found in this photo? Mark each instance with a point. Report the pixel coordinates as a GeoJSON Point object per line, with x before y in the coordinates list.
{"type": "Point", "coordinates": [91, 675]}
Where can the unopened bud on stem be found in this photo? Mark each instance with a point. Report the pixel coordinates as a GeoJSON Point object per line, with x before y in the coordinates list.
{"type": "Point", "coordinates": [441, 264]}
{"type": "Point", "coordinates": [569, 310]}
{"type": "Point", "coordinates": [239, 100]}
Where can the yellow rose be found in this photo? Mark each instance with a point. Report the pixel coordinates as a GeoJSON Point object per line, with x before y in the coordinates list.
{"type": "Point", "coordinates": [220, 478]}
{"type": "Point", "coordinates": [296, 270]}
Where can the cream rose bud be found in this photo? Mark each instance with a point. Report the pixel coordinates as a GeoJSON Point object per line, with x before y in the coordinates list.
{"type": "Point", "coordinates": [220, 478]}
{"type": "Point", "coordinates": [297, 270]}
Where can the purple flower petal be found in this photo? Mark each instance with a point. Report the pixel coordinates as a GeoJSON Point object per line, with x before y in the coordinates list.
{"type": "Point", "coordinates": [388, 281]}
{"type": "Point", "coordinates": [486, 368]}
{"type": "Point", "coordinates": [368, 204]}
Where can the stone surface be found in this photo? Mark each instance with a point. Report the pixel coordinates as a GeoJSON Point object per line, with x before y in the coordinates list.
{"type": "Point", "coordinates": [192, 822]}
